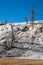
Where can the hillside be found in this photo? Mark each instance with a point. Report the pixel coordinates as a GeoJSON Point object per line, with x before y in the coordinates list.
{"type": "Point", "coordinates": [25, 41]}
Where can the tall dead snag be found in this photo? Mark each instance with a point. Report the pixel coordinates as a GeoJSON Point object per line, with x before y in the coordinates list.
{"type": "Point", "coordinates": [32, 16]}
{"type": "Point", "coordinates": [32, 20]}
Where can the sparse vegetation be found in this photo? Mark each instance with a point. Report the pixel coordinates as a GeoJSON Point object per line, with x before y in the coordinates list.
{"type": "Point", "coordinates": [11, 61]}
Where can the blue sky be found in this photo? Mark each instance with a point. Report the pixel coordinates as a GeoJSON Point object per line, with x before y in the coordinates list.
{"type": "Point", "coordinates": [15, 10]}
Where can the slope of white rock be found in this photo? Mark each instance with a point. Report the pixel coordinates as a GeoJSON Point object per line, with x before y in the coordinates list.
{"type": "Point", "coordinates": [28, 42]}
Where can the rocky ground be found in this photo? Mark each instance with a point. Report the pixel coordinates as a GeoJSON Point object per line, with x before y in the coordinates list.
{"type": "Point", "coordinates": [21, 40]}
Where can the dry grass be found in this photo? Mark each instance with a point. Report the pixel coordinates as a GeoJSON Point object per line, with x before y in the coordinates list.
{"type": "Point", "coordinates": [12, 61]}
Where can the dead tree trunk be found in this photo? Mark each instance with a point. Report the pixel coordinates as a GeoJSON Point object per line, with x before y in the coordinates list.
{"type": "Point", "coordinates": [26, 19]}
{"type": "Point", "coordinates": [12, 34]}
